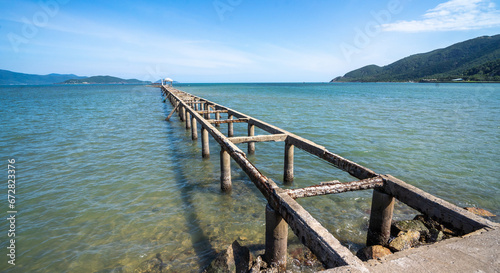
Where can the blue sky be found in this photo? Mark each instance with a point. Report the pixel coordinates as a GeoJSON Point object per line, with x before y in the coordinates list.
{"type": "Point", "coordinates": [231, 40]}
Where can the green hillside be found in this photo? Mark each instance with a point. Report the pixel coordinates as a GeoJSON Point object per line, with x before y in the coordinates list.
{"type": "Point", "coordinates": [103, 80]}
{"type": "Point", "coordinates": [14, 78]}
{"type": "Point", "coordinates": [473, 60]}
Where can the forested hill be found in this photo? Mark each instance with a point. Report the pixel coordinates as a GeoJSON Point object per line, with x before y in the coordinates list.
{"type": "Point", "coordinates": [473, 60]}
{"type": "Point", "coordinates": [13, 78]}
{"type": "Point", "coordinates": [104, 80]}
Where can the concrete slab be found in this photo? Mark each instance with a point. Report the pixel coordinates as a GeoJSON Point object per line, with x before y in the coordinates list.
{"type": "Point", "coordinates": [476, 252]}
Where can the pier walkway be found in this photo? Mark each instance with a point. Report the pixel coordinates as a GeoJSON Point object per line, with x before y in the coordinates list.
{"type": "Point", "coordinates": [282, 211]}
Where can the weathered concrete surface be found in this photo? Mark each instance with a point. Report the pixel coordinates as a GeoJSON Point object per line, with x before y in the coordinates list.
{"type": "Point", "coordinates": [477, 252]}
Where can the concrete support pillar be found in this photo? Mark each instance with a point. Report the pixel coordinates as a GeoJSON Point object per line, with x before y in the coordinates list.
{"type": "Point", "coordinates": [217, 117]}
{"type": "Point", "coordinates": [188, 120]}
{"type": "Point", "coordinates": [206, 108]}
{"type": "Point", "coordinates": [194, 129]}
{"type": "Point", "coordinates": [182, 113]}
{"type": "Point", "coordinates": [205, 149]}
{"type": "Point", "coordinates": [230, 130]}
{"type": "Point", "coordinates": [276, 238]}
{"type": "Point", "coordinates": [251, 145]}
{"type": "Point", "coordinates": [379, 228]}
{"type": "Point", "coordinates": [288, 170]}
{"type": "Point", "coordinates": [225, 171]}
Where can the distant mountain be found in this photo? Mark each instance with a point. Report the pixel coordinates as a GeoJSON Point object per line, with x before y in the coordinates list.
{"type": "Point", "coordinates": [103, 80]}
{"type": "Point", "coordinates": [13, 78]}
{"type": "Point", "coordinates": [473, 60]}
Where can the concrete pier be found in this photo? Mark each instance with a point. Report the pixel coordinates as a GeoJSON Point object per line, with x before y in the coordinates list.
{"type": "Point", "coordinates": [478, 252]}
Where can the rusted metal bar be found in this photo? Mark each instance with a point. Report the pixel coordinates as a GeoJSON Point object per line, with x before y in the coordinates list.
{"type": "Point", "coordinates": [211, 111]}
{"type": "Point", "coordinates": [365, 184]}
{"type": "Point", "coordinates": [214, 121]}
{"type": "Point", "coordinates": [259, 138]}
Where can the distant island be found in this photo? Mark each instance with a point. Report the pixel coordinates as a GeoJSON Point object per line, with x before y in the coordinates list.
{"type": "Point", "coordinates": [14, 78]}
{"type": "Point", "coordinates": [103, 80]}
{"type": "Point", "coordinates": [475, 60]}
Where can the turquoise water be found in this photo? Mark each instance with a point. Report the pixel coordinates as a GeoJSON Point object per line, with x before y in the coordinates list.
{"type": "Point", "coordinates": [104, 183]}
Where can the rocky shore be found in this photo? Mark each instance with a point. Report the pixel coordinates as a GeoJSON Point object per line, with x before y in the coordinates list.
{"type": "Point", "coordinates": [405, 234]}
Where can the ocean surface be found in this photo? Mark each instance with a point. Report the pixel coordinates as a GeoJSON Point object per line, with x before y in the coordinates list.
{"type": "Point", "coordinates": [104, 183]}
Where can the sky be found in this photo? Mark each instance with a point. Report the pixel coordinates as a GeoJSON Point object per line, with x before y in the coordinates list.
{"type": "Point", "coordinates": [231, 40]}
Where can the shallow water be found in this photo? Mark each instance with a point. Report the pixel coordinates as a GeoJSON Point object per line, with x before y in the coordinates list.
{"type": "Point", "coordinates": [103, 182]}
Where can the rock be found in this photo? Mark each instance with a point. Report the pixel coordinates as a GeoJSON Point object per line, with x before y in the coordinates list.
{"type": "Point", "coordinates": [154, 265]}
{"type": "Point", "coordinates": [407, 225]}
{"type": "Point", "coordinates": [433, 224]}
{"type": "Point", "coordinates": [270, 269]}
{"type": "Point", "coordinates": [302, 257]}
{"type": "Point", "coordinates": [257, 264]}
{"type": "Point", "coordinates": [480, 212]}
{"type": "Point", "coordinates": [373, 252]}
{"type": "Point", "coordinates": [450, 232]}
{"type": "Point", "coordinates": [234, 259]}
{"type": "Point", "coordinates": [429, 222]}
{"type": "Point", "coordinates": [405, 240]}
{"type": "Point", "coordinates": [119, 269]}
{"type": "Point", "coordinates": [435, 235]}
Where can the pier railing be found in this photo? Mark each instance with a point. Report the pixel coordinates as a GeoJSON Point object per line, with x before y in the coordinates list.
{"type": "Point", "coordinates": [282, 211]}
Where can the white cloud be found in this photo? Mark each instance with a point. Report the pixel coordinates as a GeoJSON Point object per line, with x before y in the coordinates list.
{"type": "Point", "coordinates": [452, 15]}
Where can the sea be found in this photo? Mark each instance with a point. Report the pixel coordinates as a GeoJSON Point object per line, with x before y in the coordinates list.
{"type": "Point", "coordinates": [102, 183]}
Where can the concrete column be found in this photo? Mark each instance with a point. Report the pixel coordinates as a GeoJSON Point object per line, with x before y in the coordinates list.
{"type": "Point", "coordinates": [217, 117]}
{"type": "Point", "coordinates": [194, 129]}
{"type": "Point", "coordinates": [182, 113]}
{"type": "Point", "coordinates": [230, 130]}
{"type": "Point", "coordinates": [188, 120]}
{"type": "Point", "coordinates": [205, 149]}
{"type": "Point", "coordinates": [225, 171]}
{"type": "Point", "coordinates": [379, 228]}
{"type": "Point", "coordinates": [206, 108]}
{"type": "Point", "coordinates": [251, 145]}
{"type": "Point", "coordinates": [288, 170]}
{"type": "Point", "coordinates": [276, 238]}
